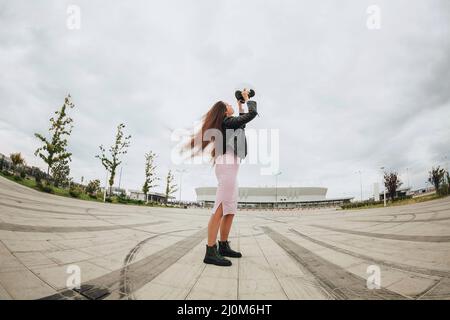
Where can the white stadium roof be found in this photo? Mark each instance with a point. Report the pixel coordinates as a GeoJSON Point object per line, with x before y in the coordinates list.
{"type": "Point", "coordinates": [270, 194]}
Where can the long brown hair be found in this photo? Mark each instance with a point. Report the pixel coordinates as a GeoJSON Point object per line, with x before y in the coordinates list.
{"type": "Point", "coordinates": [211, 120]}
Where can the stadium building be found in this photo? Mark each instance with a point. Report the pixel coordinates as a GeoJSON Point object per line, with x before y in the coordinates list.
{"type": "Point", "coordinates": [271, 197]}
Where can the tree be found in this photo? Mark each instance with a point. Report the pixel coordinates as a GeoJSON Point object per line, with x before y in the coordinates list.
{"type": "Point", "coordinates": [120, 147]}
{"type": "Point", "coordinates": [54, 149]}
{"type": "Point", "coordinates": [170, 186]}
{"type": "Point", "coordinates": [93, 187]}
{"type": "Point", "coordinates": [61, 172]}
{"type": "Point", "coordinates": [443, 184]}
{"type": "Point", "coordinates": [17, 159]}
{"type": "Point", "coordinates": [436, 177]}
{"type": "Point", "coordinates": [2, 162]}
{"type": "Point", "coordinates": [392, 183]}
{"type": "Point", "coordinates": [150, 174]}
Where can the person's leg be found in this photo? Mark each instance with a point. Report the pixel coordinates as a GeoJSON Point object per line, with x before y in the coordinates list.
{"type": "Point", "coordinates": [214, 224]}
{"type": "Point", "coordinates": [225, 226]}
{"type": "Point", "coordinates": [224, 245]}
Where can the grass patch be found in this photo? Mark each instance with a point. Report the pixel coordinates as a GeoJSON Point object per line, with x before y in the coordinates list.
{"type": "Point", "coordinates": [396, 203]}
{"type": "Point", "coordinates": [74, 194]}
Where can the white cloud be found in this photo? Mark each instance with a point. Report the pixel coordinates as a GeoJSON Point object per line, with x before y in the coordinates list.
{"type": "Point", "coordinates": [344, 98]}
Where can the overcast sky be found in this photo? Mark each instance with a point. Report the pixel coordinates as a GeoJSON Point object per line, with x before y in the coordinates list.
{"type": "Point", "coordinates": [344, 97]}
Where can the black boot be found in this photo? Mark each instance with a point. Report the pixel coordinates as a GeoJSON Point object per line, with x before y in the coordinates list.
{"type": "Point", "coordinates": [226, 251]}
{"type": "Point", "coordinates": [212, 256]}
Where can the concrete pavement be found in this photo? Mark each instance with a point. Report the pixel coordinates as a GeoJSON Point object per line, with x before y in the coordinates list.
{"type": "Point", "coordinates": [130, 252]}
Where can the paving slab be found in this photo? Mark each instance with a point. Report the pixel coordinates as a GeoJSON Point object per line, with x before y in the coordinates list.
{"type": "Point", "coordinates": [136, 252]}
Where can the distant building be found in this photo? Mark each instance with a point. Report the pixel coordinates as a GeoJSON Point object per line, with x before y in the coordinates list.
{"type": "Point", "coordinates": [152, 196]}
{"type": "Point", "coordinates": [5, 161]}
{"type": "Point", "coordinates": [271, 197]}
{"type": "Point", "coordinates": [423, 191]}
{"type": "Point", "coordinates": [115, 191]}
{"type": "Point", "coordinates": [401, 193]}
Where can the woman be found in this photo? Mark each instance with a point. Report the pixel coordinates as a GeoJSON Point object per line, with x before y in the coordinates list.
{"type": "Point", "coordinates": [227, 154]}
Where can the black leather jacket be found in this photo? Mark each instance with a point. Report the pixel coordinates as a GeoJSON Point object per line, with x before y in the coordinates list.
{"type": "Point", "coordinates": [233, 131]}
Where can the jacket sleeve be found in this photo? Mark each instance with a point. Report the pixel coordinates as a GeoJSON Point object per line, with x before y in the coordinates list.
{"type": "Point", "coordinates": [242, 119]}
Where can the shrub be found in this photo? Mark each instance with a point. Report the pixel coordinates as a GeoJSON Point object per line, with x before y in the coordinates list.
{"type": "Point", "coordinates": [443, 190]}
{"type": "Point", "coordinates": [6, 173]}
{"type": "Point", "coordinates": [75, 191]}
{"type": "Point", "coordinates": [93, 187]}
{"type": "Point", "coordinates": [17, 178]}
{"type": "Point", "coordinates": [45, 188]}
{"type": "Point", "coordinates": [353, 205]}
{"type": "Point", "coordinates": [122, 200]}
{"type": "Point", "coordinates": [23, 174]}
{"type": "Point", "coordinates": [108, 200]}
{"type": "Point", "coordinates": [48, 189]}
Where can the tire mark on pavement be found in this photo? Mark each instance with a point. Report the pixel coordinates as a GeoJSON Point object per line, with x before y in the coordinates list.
{"type": "Point", "coordinates": [138, 273]}
{"type": "Point", "coordinates": [87, 214]}
{"type": "Point", "coordinates": [400, 266]}
{"type": "Point", "coordinates": [400, 237]}
{"type": "Point", "coordinates": [29, 228]}
{"type": "Point", "coordinates": [407, 221]}
{"type": "Point", "coordinates": [126, 286]}
{"type": "Point", "coordinates": [336, 281]}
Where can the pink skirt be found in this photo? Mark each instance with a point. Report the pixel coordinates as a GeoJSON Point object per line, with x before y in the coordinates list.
{"type": "Point", "coordinates": [226, 169]}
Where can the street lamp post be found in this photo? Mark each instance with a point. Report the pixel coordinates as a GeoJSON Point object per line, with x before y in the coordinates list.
{"type": "Point", "coordinates": [180, 171]}
{"type": "Point", "coordinates": [360, 183]}
{"type": "Point", "coordinates": [106, 183]}
{"type": "Point", "coordinates": [384, 188]}
{"type": "Point", "coordinates": [407, 176]}
{"type": "Point", "coordinates": [276, 188]}
{"type": "Point", "coordinates": [120, 176]}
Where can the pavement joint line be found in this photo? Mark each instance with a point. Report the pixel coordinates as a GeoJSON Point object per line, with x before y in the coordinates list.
{"type": "Point", "coordinates": [271, 269]}
{"type": "Point", "coordinates": [49, 253]}
{"type": "Point", "coordinates": [238, 264]}
{"type": "Point", "coordinates": [58, 212]}
{"type": "Point", "coordinates": [338, 282]}
{"type": "Point", "coordinates": [157, 263]}
{"type": "Point", "coordinates": [400, 237]}
{"type": "Point", "coordinates": [429, 289]}
{"type": "Point", "coordinates": [30, 270]}
{"type": "Point", "coordinates": [196, 281]}
{"type": "Point", "coordinates": [406, 221]}
{"type": "Point", "coordinates": [126, 286]}
{"type": "Point", "coordinates": [29, 228]}
{"type": "Point", "coordinates": [393, 265]}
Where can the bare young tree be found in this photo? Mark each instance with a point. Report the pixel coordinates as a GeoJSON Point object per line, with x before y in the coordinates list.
{"type": "Point", "coordinates": [119, 148]}
{"type": "Point", "coordinates": [150, 174]}
{"type": "Point", "coordinates": [170, 186]}
{"type": "Point", "coordinates": [392, 183]}
{"type": "Point", "coordinates": [55, 148]}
